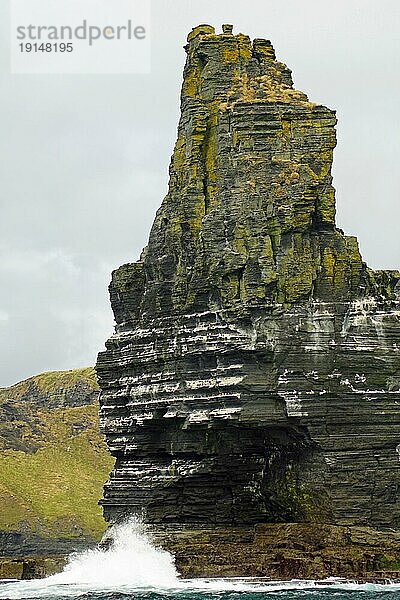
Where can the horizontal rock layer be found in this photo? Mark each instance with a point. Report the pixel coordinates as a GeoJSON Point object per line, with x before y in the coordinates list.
{"type": "Point", "coordinates": [280, 416]}
{"type": "Point", "coordinates": [286, 551]}
{"type": "Point", "coordinates": [30, 567]}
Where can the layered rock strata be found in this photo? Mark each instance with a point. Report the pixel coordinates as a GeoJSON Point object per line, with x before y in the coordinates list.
{"type": "Point", "coordinates": [285, 551]}
{"type": "Point", "coordinates": [254, 373]}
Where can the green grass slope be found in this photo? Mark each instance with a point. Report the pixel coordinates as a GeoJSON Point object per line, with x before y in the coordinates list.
{"type": "Point", "coordinates": [53, 461]}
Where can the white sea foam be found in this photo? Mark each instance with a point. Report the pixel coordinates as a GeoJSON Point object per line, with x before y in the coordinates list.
{"type": "Point", "coordinates": [131, 559]}
{"type": "Point", "coordinates": [132, 563]}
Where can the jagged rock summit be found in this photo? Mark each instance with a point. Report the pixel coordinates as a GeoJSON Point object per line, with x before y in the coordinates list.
{"type": "Point", "coordinates": [254, 374]}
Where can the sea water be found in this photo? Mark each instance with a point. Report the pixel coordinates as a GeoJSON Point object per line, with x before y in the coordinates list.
{"type": "Point", "coordinates": [133, 568]}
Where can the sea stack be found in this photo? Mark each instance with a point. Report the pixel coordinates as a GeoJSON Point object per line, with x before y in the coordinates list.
{"type": "Point", "coordinates": [250, 394]}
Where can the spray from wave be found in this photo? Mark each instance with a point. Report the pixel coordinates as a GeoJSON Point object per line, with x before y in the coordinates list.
{"type": "Point", "coordinates": [127, 560]}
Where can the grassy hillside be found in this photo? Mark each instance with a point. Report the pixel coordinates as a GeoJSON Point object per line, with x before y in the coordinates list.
{"type": "Point", "coordinates": [53, 461]}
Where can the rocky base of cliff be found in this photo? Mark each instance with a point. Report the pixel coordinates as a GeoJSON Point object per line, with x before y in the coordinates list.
{"type": "Point", "coordinates": [274, 551]}
{"type": "Point", "coordinates": [285, 551]}
{"type": "Point", "coordinates": [30, 567]}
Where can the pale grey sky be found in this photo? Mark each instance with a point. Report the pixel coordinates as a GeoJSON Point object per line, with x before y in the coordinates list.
{"type": "Point", "coordinates": [84, 161]}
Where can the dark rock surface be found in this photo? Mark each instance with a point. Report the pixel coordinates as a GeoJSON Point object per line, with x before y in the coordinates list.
{"type": "Point", "coordinates": [30, 567]}
{"type": "Point", "coordinates": [27, 544]}
{"type": "Point", "coordinates": [254, 374]}
{"type": "Point", "coordinates": [285, 551]}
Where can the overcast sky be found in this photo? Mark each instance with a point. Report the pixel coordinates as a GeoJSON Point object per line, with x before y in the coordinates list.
{"type": "Point", "coordinates": [84, 161]}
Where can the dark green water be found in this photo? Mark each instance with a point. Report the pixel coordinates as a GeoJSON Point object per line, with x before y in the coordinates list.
{"type": "Point", "coordinates": [326, 594]}
{"type": "Point", "coordinates": [265, 591]}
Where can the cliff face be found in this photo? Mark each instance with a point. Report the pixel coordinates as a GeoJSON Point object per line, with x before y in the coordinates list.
{"type": "Point", "coordinates": [52, 466]}
{"type": "Point", "coordinates": [254, 374]}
